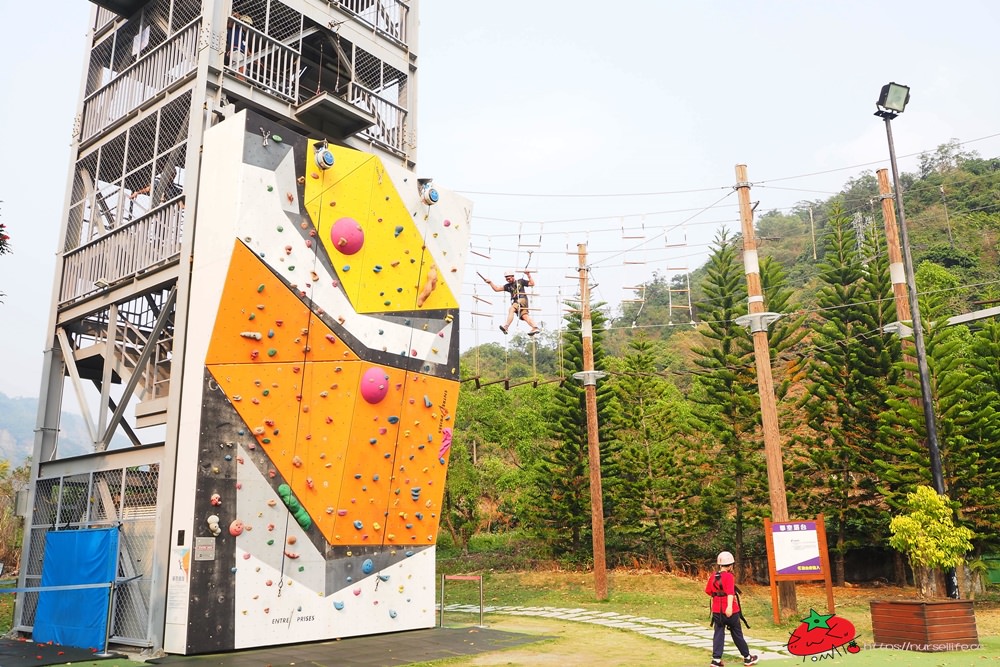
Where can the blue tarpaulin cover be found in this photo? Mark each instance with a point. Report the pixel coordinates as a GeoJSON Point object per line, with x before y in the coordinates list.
{"type": "Point", "coordinates": [76, 617]}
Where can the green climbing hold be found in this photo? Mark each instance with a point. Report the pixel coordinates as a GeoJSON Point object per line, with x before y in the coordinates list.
{"type": "Point", "coordinates": [272, 352]}
{"type": "Point", "coordinates": [292, 503]}
{"type": "Point", "coordinates": [270, 188]}
{"type": "Point", "coordinates": [276, 138]}
{"type": "Point", "coordinates": [260, 288]}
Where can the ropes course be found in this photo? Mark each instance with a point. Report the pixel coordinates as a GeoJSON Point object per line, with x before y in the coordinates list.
{"type": "Point", "coordinates": [626, 258]}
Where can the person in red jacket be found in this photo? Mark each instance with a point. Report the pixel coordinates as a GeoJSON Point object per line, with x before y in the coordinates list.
{"type": "Point", "coordinates": [726, 611]}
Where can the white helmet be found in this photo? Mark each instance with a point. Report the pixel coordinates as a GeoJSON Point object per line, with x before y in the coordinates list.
{"type": "Point", "coordinates": [512, 272]}
{"type": "Point", "coordinates": [725, 558]}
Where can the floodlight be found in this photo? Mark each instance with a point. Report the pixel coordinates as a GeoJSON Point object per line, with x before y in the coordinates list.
{"type": "Point", "coordinates": [893, 97]}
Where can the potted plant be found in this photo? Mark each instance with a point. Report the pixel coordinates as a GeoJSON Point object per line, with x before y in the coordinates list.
{"type": "Point", "coordinates": [931, 542]}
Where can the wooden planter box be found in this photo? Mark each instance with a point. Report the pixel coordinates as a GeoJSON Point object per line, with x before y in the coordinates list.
{"type": "Point", "coordinates": [924, 625]}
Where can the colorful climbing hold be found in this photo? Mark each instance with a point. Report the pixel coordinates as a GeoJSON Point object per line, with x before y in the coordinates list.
{"type": "Point", "coordinates": [293, 505]}
{"type": "Point", "coordinates": [347, 236]}
{"type": "Point", "coordinates": [374, 385]}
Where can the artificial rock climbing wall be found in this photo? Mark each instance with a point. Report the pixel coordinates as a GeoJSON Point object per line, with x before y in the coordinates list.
{"type": "Point", "coordinates": [320, 381]}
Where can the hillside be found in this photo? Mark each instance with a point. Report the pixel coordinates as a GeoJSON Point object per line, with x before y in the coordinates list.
{"type": "Point", "coordinates": [17, 430]}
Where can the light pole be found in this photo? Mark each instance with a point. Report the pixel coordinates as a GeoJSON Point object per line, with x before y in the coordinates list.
{"type": "Point", "coordinates": [891, 102]}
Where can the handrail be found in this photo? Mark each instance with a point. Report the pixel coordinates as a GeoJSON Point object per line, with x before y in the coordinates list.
{"type": "Point", "coordinates": [263, 60]}
{"type": "Point", "coordinates": [123, 252]}
{"type": "Point", "coordinates": [387, 17]}
{"type": "Point", "coordinates": [148, 76]}
{"type": "Point", "coordinates": [390, 119]}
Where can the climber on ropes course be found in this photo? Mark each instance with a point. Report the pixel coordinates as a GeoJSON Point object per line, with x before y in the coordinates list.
{"type": "Point", "coordinates": [518, 298]}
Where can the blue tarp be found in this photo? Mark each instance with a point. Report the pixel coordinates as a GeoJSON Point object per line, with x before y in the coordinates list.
{"type": "Point", "coordinates": [76, 617]}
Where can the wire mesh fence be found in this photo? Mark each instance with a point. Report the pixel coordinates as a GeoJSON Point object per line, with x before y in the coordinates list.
{"type": "Point", "coordinates": [124, 496]}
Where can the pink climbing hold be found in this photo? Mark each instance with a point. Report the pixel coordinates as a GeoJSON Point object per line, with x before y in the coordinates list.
{"type": "Point", "coordinates": [374, 385]}
{"type": "Point", "coordinates": [445, 442]}
{"type": "Point", "coordinates": [347, 236]}
{"type": "Point", "coordinates": [236, 528]}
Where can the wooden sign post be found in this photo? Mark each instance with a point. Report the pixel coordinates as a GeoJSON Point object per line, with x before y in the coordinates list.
{"type": "Point", "coordinates": [796, 551]}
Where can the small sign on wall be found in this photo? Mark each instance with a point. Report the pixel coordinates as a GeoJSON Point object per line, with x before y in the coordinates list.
{"type": "Point", "coordinates": [204, 548]}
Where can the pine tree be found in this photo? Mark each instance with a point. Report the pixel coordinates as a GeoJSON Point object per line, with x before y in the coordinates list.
{"type": "Point", "coordinates": [654, 422]}
{"type": "Point", "coordinates": [980, 506]}
{"type": "Point", "coordinates": [850, 364]}
{"type": "Point", "coordinates": [728, 485]}
{"type": "Point", "coordinates": [562, 476]}
{"type": "Point", "coordinates": [964, 390]}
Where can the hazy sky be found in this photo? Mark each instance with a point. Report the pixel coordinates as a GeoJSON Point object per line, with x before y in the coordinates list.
{"type": "Point", "coordinates": [617, 125]}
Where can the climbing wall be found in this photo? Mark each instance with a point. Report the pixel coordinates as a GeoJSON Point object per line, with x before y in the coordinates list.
{"type": "Point", "coordinates": [320, 380]}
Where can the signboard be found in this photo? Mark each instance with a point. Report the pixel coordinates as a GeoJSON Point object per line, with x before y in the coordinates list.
{"type": "Point", "coordinates": [796, 551]}
{"type": "Point", "coordinates": [796, 548]}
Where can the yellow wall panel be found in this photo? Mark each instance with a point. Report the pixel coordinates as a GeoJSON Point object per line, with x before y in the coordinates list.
{"type": "Point", "coordinates": [378, 252]}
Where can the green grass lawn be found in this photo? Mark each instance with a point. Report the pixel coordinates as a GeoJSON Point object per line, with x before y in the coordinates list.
{"type": "Point", "coordinates": [657, 595]}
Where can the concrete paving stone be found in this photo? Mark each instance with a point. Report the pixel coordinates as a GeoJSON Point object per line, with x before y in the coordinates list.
{"type": "Point", "coordinates": [691, 641]}
{"type": "Point", "coordinates": [678, 632]}
{"type": "Point", "coordinates": [657, 632]}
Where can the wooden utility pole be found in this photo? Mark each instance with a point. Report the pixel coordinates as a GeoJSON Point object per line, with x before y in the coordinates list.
{"type": "Point", "coordinates": [758, 321]}
{"type": "Point", "coordinates": [589, 378]}
{"type": "Point", "coordinates": [897, 273]}
{"type": "Point", "coordinates": [812, 231]}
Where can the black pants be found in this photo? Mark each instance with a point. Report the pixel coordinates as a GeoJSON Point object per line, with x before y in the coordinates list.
{"type": "Point", "coordinates": [720, 622]}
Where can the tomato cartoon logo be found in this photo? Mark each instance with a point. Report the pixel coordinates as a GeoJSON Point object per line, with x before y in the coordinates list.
{"type": "Point", "coordinates": [823, 633]}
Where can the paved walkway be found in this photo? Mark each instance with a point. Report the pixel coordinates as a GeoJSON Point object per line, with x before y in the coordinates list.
{"type": "Point", "coordinates": [688, 634]}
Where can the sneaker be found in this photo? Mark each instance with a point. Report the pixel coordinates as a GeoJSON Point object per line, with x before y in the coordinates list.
{"type": "Point", "coordinates": [717, 663]}
{"type": "Point", "coordinates": [535, 332]}
{"type": "Point", "coordinates": [503, 329]}
{"type": "Point", "coordinates": [750, 660]}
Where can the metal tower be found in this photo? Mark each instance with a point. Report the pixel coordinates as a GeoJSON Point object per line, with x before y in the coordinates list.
{"type": "Point", "coordinates": [158, 75]}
